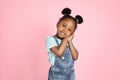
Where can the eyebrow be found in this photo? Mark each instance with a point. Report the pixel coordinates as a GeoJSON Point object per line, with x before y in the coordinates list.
{"type": "Point", "coordinates": [64, 23]}
{"type": "Point", "coordinates": [71, 27]}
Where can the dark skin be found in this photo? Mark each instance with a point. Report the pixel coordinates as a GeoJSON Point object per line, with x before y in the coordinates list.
{"type": "Point", "coordinates": [65, 32]}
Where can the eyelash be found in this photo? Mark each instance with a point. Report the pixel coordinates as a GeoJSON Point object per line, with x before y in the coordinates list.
{"type": "Point", "coordinates": [63, 25]}
{"type": "Point", "coordinates": [70, 30]}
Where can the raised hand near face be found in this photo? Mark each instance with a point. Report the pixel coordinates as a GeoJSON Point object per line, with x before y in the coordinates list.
{"type": "Point", "coordinates": [70, 37]}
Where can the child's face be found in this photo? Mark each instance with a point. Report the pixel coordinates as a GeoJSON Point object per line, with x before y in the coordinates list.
{"type": "Point", "coordinates": [65, 28]}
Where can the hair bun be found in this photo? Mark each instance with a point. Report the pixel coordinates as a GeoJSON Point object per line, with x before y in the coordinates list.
{"type": "Point", "coordinates": [66, 11]}
{"type": "Point", "coordinates": [79, 19]}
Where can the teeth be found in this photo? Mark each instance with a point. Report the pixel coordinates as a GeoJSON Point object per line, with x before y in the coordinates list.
{"type": "Point", "coordinates": [62, 33]}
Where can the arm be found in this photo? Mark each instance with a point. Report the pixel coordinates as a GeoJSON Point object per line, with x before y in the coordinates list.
{"type": "Point", "coordinates": [59, 50]}
{"type": "Point", "coordinates": [73, 50]}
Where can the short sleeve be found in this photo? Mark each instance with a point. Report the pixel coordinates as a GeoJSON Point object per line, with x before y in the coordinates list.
{"type": "Point", "coordinates": [50, 42]}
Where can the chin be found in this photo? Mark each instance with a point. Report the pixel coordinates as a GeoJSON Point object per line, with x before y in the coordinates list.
{"type": "Point", "coordinates": [61, 37]}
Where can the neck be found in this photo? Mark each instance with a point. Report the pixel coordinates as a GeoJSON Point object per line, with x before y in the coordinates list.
{"type": "Point", "coordinates": [58, 36]}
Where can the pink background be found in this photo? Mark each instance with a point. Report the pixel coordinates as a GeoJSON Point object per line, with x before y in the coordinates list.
{"type": "Point", "coordinates": [24, 25]}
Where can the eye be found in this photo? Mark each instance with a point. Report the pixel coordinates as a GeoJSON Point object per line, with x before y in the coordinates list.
{"type": "Point", "coordinates": [70, 30]}
{"type": "Point", "coordinates": [63, 25]}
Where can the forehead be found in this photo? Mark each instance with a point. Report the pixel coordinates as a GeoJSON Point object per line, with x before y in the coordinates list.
{"type": "Point", "coordinates": [68, 21]}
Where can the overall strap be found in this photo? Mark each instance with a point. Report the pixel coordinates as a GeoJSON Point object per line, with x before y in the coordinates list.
{"type": "Point", "coordinates": [56, 40]}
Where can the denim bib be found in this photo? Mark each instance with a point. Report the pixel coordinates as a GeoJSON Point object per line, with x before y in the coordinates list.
{"type": "Point", "coordinates": [66, 61]}
{"type": "Point", "coordinates": [63, 68]}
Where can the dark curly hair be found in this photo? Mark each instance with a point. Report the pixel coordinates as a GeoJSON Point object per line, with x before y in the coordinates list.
{"type": "Point", "coordinates": [66, 15]}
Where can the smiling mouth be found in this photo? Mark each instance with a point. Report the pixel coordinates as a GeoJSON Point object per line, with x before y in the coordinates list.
{"type": "Point", "coordinates": [62, 33]}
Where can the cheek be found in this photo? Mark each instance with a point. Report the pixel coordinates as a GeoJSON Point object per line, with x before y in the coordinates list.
{"type": "Point", "coordinates": [69, 33]}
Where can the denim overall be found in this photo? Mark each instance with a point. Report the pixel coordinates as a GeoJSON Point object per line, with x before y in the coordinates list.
{"type": "Point", "coordinates": [63, 68]}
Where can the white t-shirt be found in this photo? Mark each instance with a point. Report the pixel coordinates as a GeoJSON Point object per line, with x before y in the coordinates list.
{"type": "Point", "coordinates": [50, 42]}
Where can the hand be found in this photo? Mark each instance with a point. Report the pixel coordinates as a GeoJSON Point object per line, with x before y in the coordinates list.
{"type": "Point", "coordinates": [70, 37]}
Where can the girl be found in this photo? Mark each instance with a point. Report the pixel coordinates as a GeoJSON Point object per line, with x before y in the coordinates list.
{"type": "Point", "coordinates": [61, 50]}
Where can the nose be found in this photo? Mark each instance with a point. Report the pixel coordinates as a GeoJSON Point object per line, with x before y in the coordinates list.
{"type": "Point", "coordinates": [65, 29]}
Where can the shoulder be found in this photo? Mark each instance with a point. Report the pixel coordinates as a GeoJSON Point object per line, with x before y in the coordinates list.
{"type": "Point", "coordinates": [50, 42]}
{"type": "Point", "coordinates": [49, 38]}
